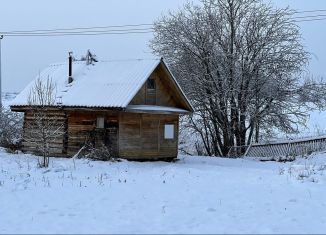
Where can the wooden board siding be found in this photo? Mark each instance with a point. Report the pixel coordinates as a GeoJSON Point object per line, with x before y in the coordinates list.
{"type": "Point", "coordinates": [140, 97]}
{"type": "Point", "coordinates": [151, 97]}
{"type": "Point", "coordinates": [141, 136]}
{"type": "Point", "coordinates": [176, 94]}
{"type": "Point", "coordinates": [166, 93]}
{"type": "Point", "coordinates": [57, 146]}
{"type": "Point", "coordinates": [163, 92]}
{"type": "Point", "coordinates": [82, 128]}
{"type": "Point", "coordinates": [129, 135]}
{"type": "Point", "coordinates": [79, 127]}
{"type": "Point", "coordinates": [160, 96]}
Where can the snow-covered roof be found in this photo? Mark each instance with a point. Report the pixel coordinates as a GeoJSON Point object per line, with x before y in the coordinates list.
{"type": "Point", "coordinates": [105, 84]}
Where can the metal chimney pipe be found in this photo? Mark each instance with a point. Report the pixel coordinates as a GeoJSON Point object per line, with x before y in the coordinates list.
{"type": "Point", "coordinates": [70, 79]}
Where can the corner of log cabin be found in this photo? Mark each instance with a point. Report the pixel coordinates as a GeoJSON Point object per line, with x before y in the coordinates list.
{"type": "Point", "coordinates": [57, 147]}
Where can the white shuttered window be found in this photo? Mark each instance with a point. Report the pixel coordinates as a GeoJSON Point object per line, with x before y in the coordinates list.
{"type": "Point", "coordinates": [169, 131]}
{"type": "Point", "coordinates": [100, 122]}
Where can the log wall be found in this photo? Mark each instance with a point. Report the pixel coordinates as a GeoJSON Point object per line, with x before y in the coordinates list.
{"type": "Point", "coordinates": [82, 128]}
{"type": "Point", "coordinates": [57, 145]}
{"type": "Point", "coordinates": [131, 135]}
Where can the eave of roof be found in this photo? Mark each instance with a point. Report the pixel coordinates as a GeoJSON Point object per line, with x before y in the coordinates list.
{"type": "Point", "coordinates": [155, 109]}
{"type": "Point", "coordinates": [191, 108]}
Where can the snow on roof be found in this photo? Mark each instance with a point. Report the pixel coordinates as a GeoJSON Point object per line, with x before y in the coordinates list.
{"type": "Point", "coordinates": [155, 108]}
{"type": "Point", "coordinates": [104, 84]}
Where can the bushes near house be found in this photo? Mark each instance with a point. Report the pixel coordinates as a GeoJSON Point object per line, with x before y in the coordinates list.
{"type": "Point", "coordinates": [11, 129]}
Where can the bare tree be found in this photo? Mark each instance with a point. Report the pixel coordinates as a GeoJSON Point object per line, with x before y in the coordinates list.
{"type": "Point", "coordinates": [43, 129]}
{"type": "Point", "coordinates": [242, 63]}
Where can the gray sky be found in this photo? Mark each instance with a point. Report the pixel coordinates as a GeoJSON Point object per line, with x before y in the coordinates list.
{"type": "Point", "coordinates": [24, 57]}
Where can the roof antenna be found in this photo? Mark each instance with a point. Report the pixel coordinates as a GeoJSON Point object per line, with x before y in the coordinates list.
{"type": "Point", "coordinates": [90, 58]}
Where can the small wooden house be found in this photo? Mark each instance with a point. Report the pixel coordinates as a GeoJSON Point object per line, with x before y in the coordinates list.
{"type": "Point", "coordinates": [131, 106]}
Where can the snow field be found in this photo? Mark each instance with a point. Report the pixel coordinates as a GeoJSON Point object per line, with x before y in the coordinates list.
{"type": "Point", "coordinates": [193, 195]}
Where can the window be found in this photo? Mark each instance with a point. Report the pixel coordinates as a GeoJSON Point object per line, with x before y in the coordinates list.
{"type": "Point", "coordinates": [169, 131]}
{"type": "Point", "coordinates": [151, 92]}
{"type": "Point", "coordinates": [100, 122]}
{"type": "Point", "coordinates": [151, 84]}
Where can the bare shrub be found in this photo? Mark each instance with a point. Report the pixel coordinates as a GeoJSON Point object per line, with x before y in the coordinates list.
{"type": "Point", "coordinates": [44, 129]}
{"type": "Point", "coordinates": [102, 153]}
{"type": "Point", "coordinates": [11, 129]}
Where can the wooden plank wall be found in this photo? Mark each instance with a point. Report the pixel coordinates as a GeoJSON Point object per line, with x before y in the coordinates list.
{"type": "Point", "coordinates": [141, 136]}
{"type": "Point", "coordinates": [79, 127]}
{"type": "Point", "coordinates": [164, 95]}
{"type": "Point", "coordinates": [82, 124]}
{"type": "Point", "coordinates": [57, 146]}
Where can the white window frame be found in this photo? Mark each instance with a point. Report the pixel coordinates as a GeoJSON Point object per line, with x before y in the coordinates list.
{"type": "Point", "coordinates": [169, 131]}
{"type": "Point", "coordinates": [100, 122]}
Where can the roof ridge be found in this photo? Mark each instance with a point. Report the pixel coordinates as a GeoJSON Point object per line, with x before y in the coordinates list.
{"type": "Point", "coordinates": [106, 61]}
{"type": "Point", "coordinates": [131, 59]}
{"type": "Point", "coordinates": [63, 63]}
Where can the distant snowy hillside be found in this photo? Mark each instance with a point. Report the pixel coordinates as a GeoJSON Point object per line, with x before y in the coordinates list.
{"type": "Point", "coordinates": [7, 97]}
{"type": "Point", "coordinates": [193, 195]}
{"type": "Point", "coordinates": [317, 122]}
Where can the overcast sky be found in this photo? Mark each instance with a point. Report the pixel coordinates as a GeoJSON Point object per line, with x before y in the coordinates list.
{"type": "Point", "coordinates": [24, 57]}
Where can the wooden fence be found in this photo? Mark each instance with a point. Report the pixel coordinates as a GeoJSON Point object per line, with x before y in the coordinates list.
{"type": "Point", "coordinates": [299, 147]}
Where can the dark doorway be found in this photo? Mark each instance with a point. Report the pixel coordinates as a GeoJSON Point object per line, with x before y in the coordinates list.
{"type": "Point", "coordinates": [111, 135]}
{"type": "Point", "coordinates": [106, 134]}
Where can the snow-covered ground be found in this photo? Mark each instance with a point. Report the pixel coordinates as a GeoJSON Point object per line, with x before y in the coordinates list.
{"type": "Point", "coordinates": [192, 195]}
